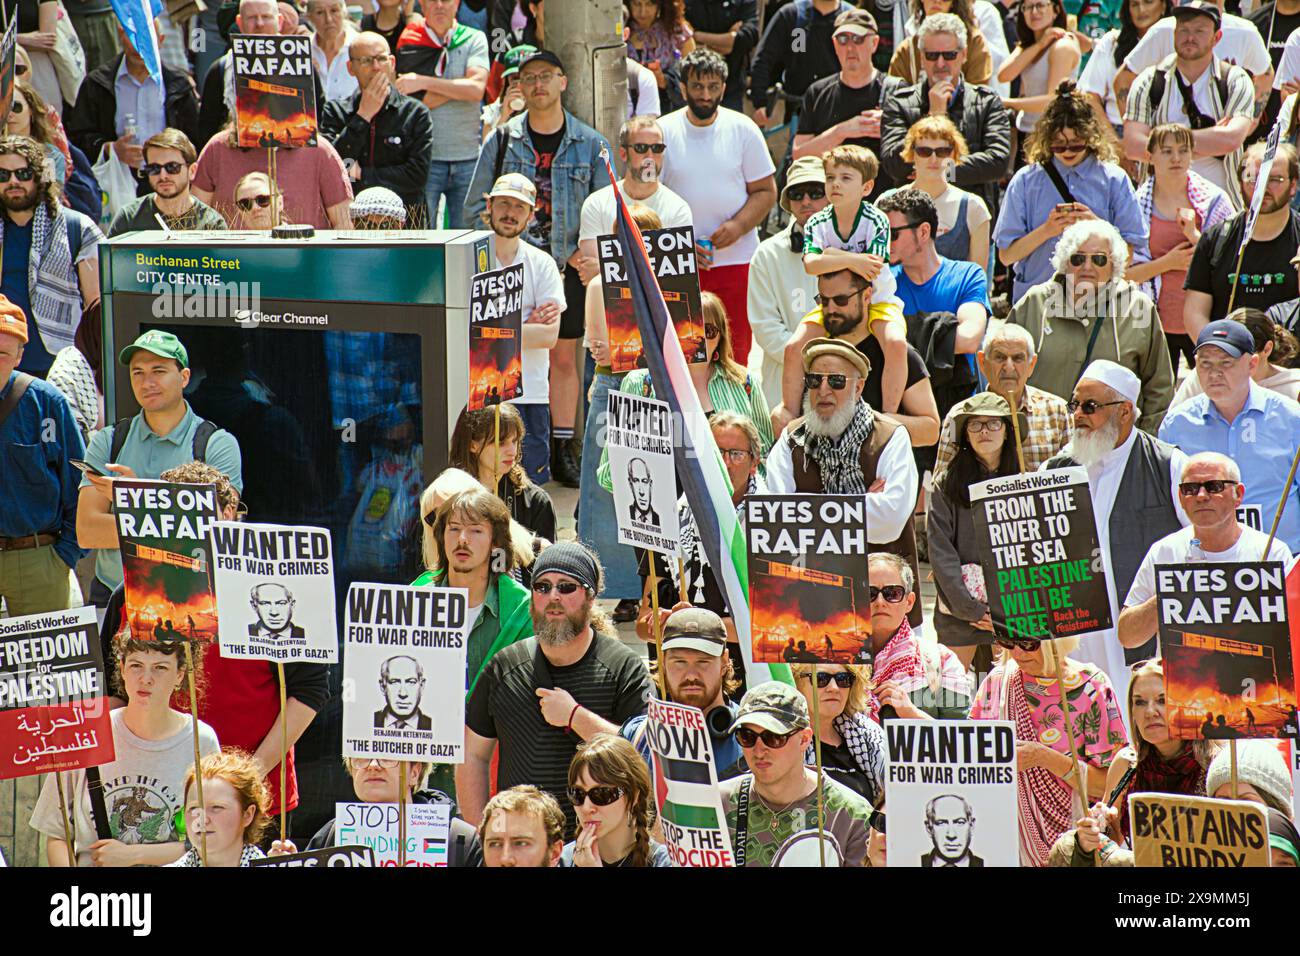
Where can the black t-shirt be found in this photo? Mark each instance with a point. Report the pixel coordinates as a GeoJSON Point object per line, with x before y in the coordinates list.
{"type": "Point", "coordinates": [838, 763]}
{"type": "Point", "coordinates": [1282, 24]}
{"type": "Point", "coordinates": [828, 102]}
{"type": "Point", "coordinates": [368, 25]}
{"type": "Point", "coordinates": [1267, 276]}
{"type": "Point", "coordinates": [610, 681]}
{"type": "Point", "coordinates": [545, 145]}
{"type": "Point", "coordinates": [871, 391]}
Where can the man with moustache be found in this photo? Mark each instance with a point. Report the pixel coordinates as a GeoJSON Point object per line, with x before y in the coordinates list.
{"type": "Point", "coordinates": [1133, 479]}
{"type": "Point", "coordinates": [539, 697]}
{"type": "Point", "coordinates": [169, 161]}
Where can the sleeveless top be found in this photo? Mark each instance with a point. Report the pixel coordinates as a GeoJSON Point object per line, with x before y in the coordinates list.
{"type": "Point", "coordinates": [955, 243]}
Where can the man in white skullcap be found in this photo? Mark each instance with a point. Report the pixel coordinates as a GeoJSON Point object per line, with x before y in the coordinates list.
{"type": "Point", "coordinates": [1134, 483]}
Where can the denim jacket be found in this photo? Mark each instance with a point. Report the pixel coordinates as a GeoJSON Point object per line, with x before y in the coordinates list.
{"type": "Point", "coordinates": [576, 172]}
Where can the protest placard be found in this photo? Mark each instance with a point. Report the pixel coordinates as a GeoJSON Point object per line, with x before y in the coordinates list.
{"type": "Point", "coordinates": [376, 826]}
{"type": "Point", "coordinates": [1226, 644]}
{"type": "Point", "coordinates": [672, 257]}
{"type": "Point", "coordinates": [329, 856]}
{"type": "Point", "coordinates": [951, 793]}
{"type": "Point", "coordinates": [404, 673]}
{"type": "Point", "coordinates": [639, 436]}
{"type": "Point", "coordinates": [166, 558]}
{"type": "Point", "coordinates": [1176, 831]}
{"type": "Point", "coordinates": [686, 786]}
{"type": "Point", "coordinates": [275, 592]}
{"type": "Point", "coordinates": [496, 315]}
{"type": "Point", "coordinates": [275, 90]}
{"type": "Point", "coordinates": [808, 590]}
{"type": "Point", "coordinates": [53, 703]}
{"type": "Point", "coordinates": [8, 61]}
{"type": "Point", "coordinates": [1038, 547]}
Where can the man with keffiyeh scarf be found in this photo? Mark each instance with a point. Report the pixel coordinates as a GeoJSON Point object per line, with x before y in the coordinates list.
{"type": "Point", "coordinates": [841, 447]}
{"type": "Point", "coordinates": [50, 262]}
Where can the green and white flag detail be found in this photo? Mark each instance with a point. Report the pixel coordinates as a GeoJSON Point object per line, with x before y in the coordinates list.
{"type": "Point", "coordinates": [686, 786]}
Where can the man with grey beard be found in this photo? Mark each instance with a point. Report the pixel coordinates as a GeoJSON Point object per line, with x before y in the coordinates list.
{"type": "Point", "coordinates": [1134, 483]}
{"type": "Point", "coordinates": [539, 697]}
{"type": "Point", "coordinates": [841, 447]}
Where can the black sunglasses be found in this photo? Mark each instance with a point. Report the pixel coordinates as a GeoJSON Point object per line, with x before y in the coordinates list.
{"type": "Point", "coordinates": [1215, 486]}
{"type": "Point", "coordinates": [153, 169]}
{"type": "Point", "coordinates": [20, 69]}
{"type": "Point", "coordinates": [844, 679]}
{"type": "Point", "coordinates": [877, 820]}
{"type": "Point", "coordinates": [1089, 406]}
{"type": "Point", "coordinates": [1069, 148]}
{"type": "Point", "coordinates": [893, 593]}
{"type": "Point", "coordinates": [925, 152]}
{"type": "Point", "coordinates": [799, 193]}
{"type": "Point", "coordinates": [643, 148]}
{"type": "Point", "coordinates": [812, 381]}
{"type": "Point", "coordinates": [896, 231]}
{"type": "Point", "coordinates": [24, 175]}
{"type": "Point", "coordinates": [840, 301]}
{"type": "Point", "coordinates": [247, 204]}
{"type": "Point", "coordinates": [17, 107]}
{"type": "Point", "coordinates": [857, 39]}
{"type": "Point", "coordinates": [949, 55]}
{"type": "Point", "coordinates": [564, 587]}
{"type": "Point", "coordinates": [1024, 644]}
{"type": "Point", "coordinates": [600, 796]}
{"type": "Point", "coordinates": [1099, 259]}
{"type": "Point", "coordinates": [748, 738]}
{"type": "Point", "coordinates": [712, 332]}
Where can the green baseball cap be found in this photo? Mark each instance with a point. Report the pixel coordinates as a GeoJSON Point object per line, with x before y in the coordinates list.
{"type": "Point", "coordinates": [773, 706]}
{"type": "Point", "coordinates": [159, 343]}
{"type": "Point", "coordinates": [514, 57]}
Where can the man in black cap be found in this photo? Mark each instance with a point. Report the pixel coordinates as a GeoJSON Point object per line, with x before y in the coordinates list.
{"type": "Point", "coordinates": [539, 697]}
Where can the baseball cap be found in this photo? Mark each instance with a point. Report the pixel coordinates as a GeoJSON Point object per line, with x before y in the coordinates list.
{"type": "Point", "coordinates": [12, 320]}
{"type": "Point", "coordinates": [1199, 8]}
{"type": "Point", "coordinates": [542, 56]}
{"type": "Point", "coordinates": [514, 57]}
{"type": "Point", "coordinates": [695, 629]}
{"type": "Point", "coordinates": [1229, 335]}
{"type": "Point", "coordinates": [856, 21]}
{"type": "Point", "coordinates": [773, 706]}
{"type": "Point", "coordinates": [516, 186]}
{"type": "Point", "coordinates": [806, 169]}
{"type": "Point", "coordinates": [159, 343]}
{"type": "Point", "coordinates": [838, 348]}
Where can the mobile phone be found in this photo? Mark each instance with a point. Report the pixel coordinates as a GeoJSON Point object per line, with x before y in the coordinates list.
{"type": "Point", "coordinates": [86, 469]}
{"type": "Point", "coordinates": [1065, 207]}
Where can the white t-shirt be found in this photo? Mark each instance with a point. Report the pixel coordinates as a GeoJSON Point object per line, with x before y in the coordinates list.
{"type": "Point", "coordinates": [710, 167]}
{"type": "Point", "coordinates": [647, 90]}
{"type": "Point", "coordinates": [1099, 75]}
{"type": "Point", "coordinates": [335, 79]}
{"type": "Point", "coordinates": [1177, 548]}
{"type": "Point", "coordinates": [600, 208]}
{"type": "Point", "coordinates": [542, 283]}
{"type": "Point", "coordinates": [1288, 69]}
{"type": "Point", "coordinates": [1240, 44]}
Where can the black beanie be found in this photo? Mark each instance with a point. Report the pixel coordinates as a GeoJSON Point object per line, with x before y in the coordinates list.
{"type": "Point", "coordinates": [571, 558]}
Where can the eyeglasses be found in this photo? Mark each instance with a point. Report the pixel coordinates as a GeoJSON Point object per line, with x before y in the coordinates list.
{"type": "Point", "coordinates": [712, 332]}
{"type": "Point", "coordinates": [23, 175]}
{"type": "Point", "coordinates": [839, 301]}
{"type": "Point", "coordinates": [748, 738]}
{"type": "Point", "coordinates": [153, 169]}
{"type": "Point", "coordinates": [1036, 7]}
{"type": "Point", "coordinates": [735, 455]}
{"type": "Point", "coordinates": [843, 679]}
{"type": "Point", "coordinates": [812, 381]}
{"type": "Point", "coordinates": [564, 587]}
{"type": "Point", "coordinates": [1024, 644]}
{"type": "Point", "coordinates": [537, 79]}
{"type": "Point", "coordinates": [247, 204]}
{"type": "Point", "coordinates": [17, 107]}
{"type": "Point", "coordinates": [241, 510]}
{"type": "Point", "coordinates": [1247, 179]}
{"type": "Point", "coordinates": [600, 796]}
{"type": "Point", "coordinates": [857, 39]}
{"type": "Point", "coordinates": [1099, 259]}
{"type": "Point", "coordinates": [925, 152]}
{"type": "Point", "coordinates": [1069, 148]}
{"type": "Point", "coordinates": [896, 231]}
{"type": "Point", "coordinates": [799, 193]}
{"type": "Point", "coordinates": [1215, 486]}
{"type": "Point", "coordinates": [370, 60]}
{"type": "Point", "coordinates": [877, 820]}
{"type": "Point", "coordinates": [360, 763]}
{"type": "Point", "coordinates": [642, 148]}
{"type": "Point", "coordinates": [1089, 407]}
{"type": "Point", "coordinates": [992, 425]}
{"type": "Point", "coordinates": [893, 593]}
{"type": "Point", "coordinates": [947, 55]}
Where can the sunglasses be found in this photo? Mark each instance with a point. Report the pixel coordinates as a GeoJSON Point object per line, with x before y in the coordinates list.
{"type": "Point", "coordinates": [20, 69]}
{"type": "Point", "coordinates": [844, 679]}
{"type": "Point", "coordinates": [642, 148]}
{"type": "Point", "coordinates": [600, 796]}
{"type": "Point", "coordinates": [948, 55]}
{"type": "Point", "coordinates": [812, 381]}
{"type": "Point", "coordinates": [23, 175]}
{"type": "Point", "coordinates": [1088, 407]}
{"type": "Point", "coordinates": [1099, 259]}
{"type": "Point", "coordinates": [712, 332]}
{"type": "Point", "coordinates": [247, 204]}
{"type": "Point", "coordinates": [896, 231]}
{"type": "Point", "coordinates": [1215, 486]}
{"type": "Point", "coordinates": [748, 738]}
{"type": "Point", "coordinates": [17, 107]}
{"type": "Point", "coordinates": [877, 820]}
{"type": "Point", "coordinates": [857, 39]}
{"type": "Point", "coordinates": [1024, 644]}
{"type": "Point", "coordinates": [153, 169]}
{"type": "Point", "coordinates": [925, 152]}
{"type": "Point", "coordinates": [800, 193]}
{"type": "Point", "coordinates": [564, 587]}
{"type": "Point", "coordinates": [839, 301]}
{"type": "Point", "coordinates": [893, 593]}
{"type": "Point", "coordinates": [1069, 148]}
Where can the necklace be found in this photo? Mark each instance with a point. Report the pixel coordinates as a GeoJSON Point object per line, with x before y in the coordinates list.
{"type": "Point", "coordinates": [776, 812]}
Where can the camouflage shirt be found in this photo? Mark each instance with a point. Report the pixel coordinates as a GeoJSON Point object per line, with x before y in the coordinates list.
{"type": "Point", "coordinates": [789, 838]}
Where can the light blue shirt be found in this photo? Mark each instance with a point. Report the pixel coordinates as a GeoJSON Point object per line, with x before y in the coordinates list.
{"type": "Point", "coordinates": [1031, 196]}
{"type": "Point", "coordinates": [149, 454]}
{"type": "Point", "coordinates": [144, 101]}
{"type": "Point", "coordinates": [1261, 440]}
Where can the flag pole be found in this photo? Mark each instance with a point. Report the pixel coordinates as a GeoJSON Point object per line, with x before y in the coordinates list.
{"type": "Point", "coordinates": [656, 629]}
{"type": "Point", "coordinates": [202, 845]}
{"type": "Point", "coordinates": [284, 754]}
{"type": "Point", "coordinates": [817, 763]}
{"type": "Point", "coordinates": [404, 775]}
{"type": "Point", "coordinates": [68, 828]}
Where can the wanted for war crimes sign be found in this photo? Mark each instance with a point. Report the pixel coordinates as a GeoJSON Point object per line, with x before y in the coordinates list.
{"type": "Point", "coordinates": [404, 673]}
{"type": "Point", "coordinates": [686, 786]}
{"type": "Point", "coordinates": [951, 793]}
{"type": "Point", "coordinates": [639, 436]}
{"type": "Point", "coordinates": [1042, 563]}
{"type": "Point", "coordinates": [1178, 831]}
{"type": "Point", "coordinates": [275, 592]}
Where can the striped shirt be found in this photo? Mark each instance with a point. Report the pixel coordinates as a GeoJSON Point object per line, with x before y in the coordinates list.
{"type": "Point", "coordinates": [1049, 430]}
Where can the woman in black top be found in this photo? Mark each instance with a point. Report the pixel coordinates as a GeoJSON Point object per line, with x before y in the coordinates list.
{"type": "Point", "coordinates": [388, 21]}
{"type": "Point", "coordinates": [853, 745]}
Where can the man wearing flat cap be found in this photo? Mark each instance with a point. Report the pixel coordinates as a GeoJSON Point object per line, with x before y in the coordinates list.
{"type": "Point", "coordinates": [1133, 479]}
{"type": "Point", "coordinates": [841, 447]}
{"type": "Point", "coordinates": [539, 698]}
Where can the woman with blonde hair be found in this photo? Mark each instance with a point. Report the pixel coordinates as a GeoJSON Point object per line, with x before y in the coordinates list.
{"type": "Point", "coordinates": [609, 787]}
{"type": "Point", "coordinates": [853, 745]}
{"type": "Point", "coordinates": [233, 815]}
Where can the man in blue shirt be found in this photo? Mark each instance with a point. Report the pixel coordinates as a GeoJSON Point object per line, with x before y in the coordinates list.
{"type": "Point", "coordinates": [38, 496]}
{"type": "Point", "coordinates": [160, 437]}
{"type": "Point", "coordinates": [1253, 426]}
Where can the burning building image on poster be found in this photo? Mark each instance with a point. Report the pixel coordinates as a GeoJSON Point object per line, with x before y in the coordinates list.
{"type": "Point", "coordinates": [808, 586]}
{"type": "Point", "coordinates": [275, 93]}
{"type": "Point", "coordinates": [496, 303]}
